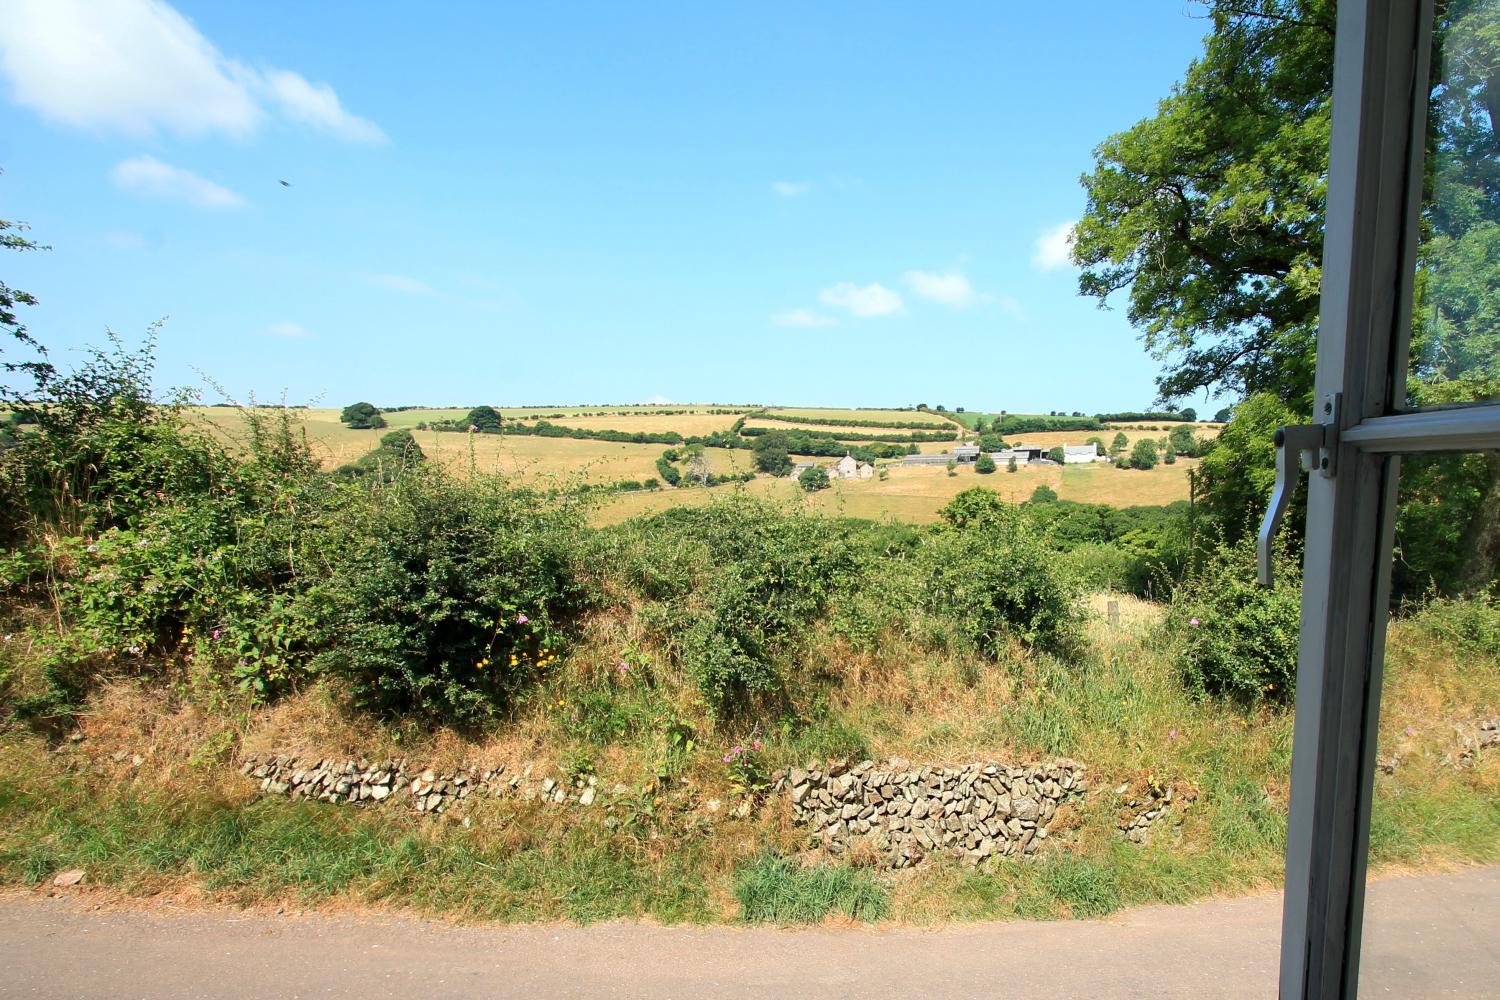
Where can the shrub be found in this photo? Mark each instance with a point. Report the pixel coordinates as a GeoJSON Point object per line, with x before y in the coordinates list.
{"type": "Point", "coordinates": [449, 597]}
{"type": "Point", "coordinates": [971, 505]}
{"type": "Point", "coordinates": [1119, 443]}
{"type": "Point", "coordinates": [1471, 624]}
{"type": "Point", "coordinates": [984, 465]}
{"type": "Point", "coordinates": [1044, 494]}
{"type": "Point", "coordinates": [995, 578]}
{"type": "Point", "coordinates": [813, 479]}
{"type": "Point", "coordinates": [1236, 639]}
{"type": "Point", "coordinates": [1055, 455]}
{"type": "Point", "coordinates": [1010, 466]}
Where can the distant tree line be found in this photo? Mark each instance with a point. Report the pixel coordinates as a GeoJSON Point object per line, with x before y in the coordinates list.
{"type": "Point", "coordinates": [1187, 414]}
{"type": "Point", "coordinates": [919, 425]}
{"type": "Point", "coordinates": [856, 435]}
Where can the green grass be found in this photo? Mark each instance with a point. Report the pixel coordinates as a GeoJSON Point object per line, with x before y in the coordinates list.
{"type": "Point", "coordinates": [311, 855]}
{"type": "Point", "coordinates": [777, 890]}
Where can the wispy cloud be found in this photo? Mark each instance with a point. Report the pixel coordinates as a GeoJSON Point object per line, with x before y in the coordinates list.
{"type": "Point", "coordinates": [802, 318]}
{"type": "Point", "coordinates": [317, 105]}
{"type": "Point", "coordinates": [791, 189]}
{"type": "Point", "coordinates": [139, 67]}
{"type": "Point", "coordinates": [287, 331]}
{"type": "Point", "coordinates": [657, 400]}
{"type": "Point", "coordinates": [1054, 248]}
{"type": "Point", "coordinates": [864, 301]}
{"type": "Point", "coordinates": [948, 289]}
{"type": "Point", "coordinates": [399, 283]}
{"type": "Point", "coordinates": [146, 175]}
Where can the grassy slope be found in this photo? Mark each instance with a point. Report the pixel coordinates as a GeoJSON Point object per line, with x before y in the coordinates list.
{"type": "Point", "coordinates": [184, 823]}
{"type": "Point", "coordinates": [916, 494]}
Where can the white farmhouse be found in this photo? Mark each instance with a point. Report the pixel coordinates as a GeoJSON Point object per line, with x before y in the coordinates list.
{"type": "Point", "coordinates": [848, 468]}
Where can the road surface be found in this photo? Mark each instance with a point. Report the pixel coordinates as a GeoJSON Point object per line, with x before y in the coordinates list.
{"type": "Point", "coordinates": [1427, 936]}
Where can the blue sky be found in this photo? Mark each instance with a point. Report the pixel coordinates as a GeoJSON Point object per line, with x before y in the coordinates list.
{"type": "Point", "coordinates": [840, 204]}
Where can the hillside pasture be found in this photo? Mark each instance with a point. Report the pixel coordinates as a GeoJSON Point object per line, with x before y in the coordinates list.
{"type": "Point", "coordinates": [915, 494]}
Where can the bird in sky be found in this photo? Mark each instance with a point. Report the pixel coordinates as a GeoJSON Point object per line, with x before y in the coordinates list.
{"type": "Point", "coordinates": [286, 184]}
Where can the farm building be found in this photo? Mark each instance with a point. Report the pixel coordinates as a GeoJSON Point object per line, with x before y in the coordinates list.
{"type": "Point", "coordinates": [848, 468]}
{"type": "Point", "coordinates": [1077, 454]}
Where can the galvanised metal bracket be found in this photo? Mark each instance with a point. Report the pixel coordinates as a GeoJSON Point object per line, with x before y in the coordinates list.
{"type": "Point", "coordinates": [1316, 448]}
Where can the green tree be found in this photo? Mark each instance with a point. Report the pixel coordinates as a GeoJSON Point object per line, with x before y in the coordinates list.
{"type": "Point", "coordinates": [952, 467]}
{"type": "Point", "coordinates": [1189, 414]}
{"type": "Point", "coordinates": [1044, 494]}
{"type": "Point", "coordinates": [1119, 444]}
{"type": "Point", "coordinates": [485, 419]}
{"type": "Point", "coordinates": [1144, 454]}
{"type": "Point", "coordinates": [770, 453]}
{"type": "Point", "coordinates": [813, 479]}
{"type": "Point", "coordinates": [1055, 455]}
{"type": "Point", "coordinates": [1098, 443]}
{"type": "Point", "coordinates": [1224, 415]}
{"type": "Point", "coordinates": [1169, 455]}
{"type": "Point", "coordinates": [1210, 213]}
{"type": "Point", "coordinates": [1010, 465]}
{"type": "Point", "coordinates": [362, 416]}
{"type": "Point", "coordinates": [984, 464]}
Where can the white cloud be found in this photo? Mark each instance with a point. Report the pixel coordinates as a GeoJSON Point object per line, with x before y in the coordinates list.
{"type": "Point", "coordinates": [139, 67]}
{"type": "Point", "coordinates": [399, 283]}
{"type": "Point", "coordinates": [803, 318]}
{"type": "Point", "coordinates": [146, 175]}
{"type": "Point", "coordinates": [287, 331]}
{"type": "Point", "coordinates": [864, 301]}
{"type": "Point", "coordinates": [948, 289]}
{"type": "Point", "coordinates": [317, 105]}
{"type": "Point", "coordinates": [658, 400]}
{"type": "Point", "coordinates": [1054, 248]}
{"type": "Point", "coordinates": [791, 189]}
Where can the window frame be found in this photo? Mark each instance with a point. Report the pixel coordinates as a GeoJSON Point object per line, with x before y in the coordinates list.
{"type": "Point", "coordinates": [1381, 86]}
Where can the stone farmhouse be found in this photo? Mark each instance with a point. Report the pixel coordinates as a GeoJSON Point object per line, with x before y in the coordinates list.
{"type": "Point", "coordinates": [845, 468]}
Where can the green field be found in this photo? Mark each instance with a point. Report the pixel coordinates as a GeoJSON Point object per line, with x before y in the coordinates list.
{"type": "Point", "coordinates": [913, 494]}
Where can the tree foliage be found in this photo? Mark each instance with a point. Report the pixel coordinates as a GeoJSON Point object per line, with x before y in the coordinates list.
{"type": "Point", "coordinates": [362, 416]}
{"type": "Point", "coordinates": [1209, 215]}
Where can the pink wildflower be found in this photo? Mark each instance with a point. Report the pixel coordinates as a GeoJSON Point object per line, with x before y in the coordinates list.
{"type": "Point", "coordinates": [1410, 731]}
{"type": "Point", "coordinates": [623, 667]}
{"type": "Point", "coordinates": [215, 635]}
{"type": "Point", "coordinates": [728, 758]}
{"type": "Point", "coordinates": [1192, 621]}
{"type": "Point", "coordinates": [473, 427]}
{"type": "Point", "coordinates": [757, 744]}
{"type": "Point", "coordinates": [1172, 735]}
{"type": "Point", "coordinates": [522, 619]}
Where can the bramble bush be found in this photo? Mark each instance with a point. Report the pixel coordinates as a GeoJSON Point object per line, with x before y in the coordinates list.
{"type": "Point", "coordinates": [449, 598]}
{"type": "Point", "coordinates": [1234, 638]}
{"type": "Point", "coordinates": [994, 578]}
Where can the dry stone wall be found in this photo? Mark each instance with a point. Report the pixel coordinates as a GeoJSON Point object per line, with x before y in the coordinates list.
{"type": "Point", "coordinates": [328, 779]}
{"type": "Point", "coordinates": [973, 812]}
{"type": "Point", "coordinates": [906, 813]}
